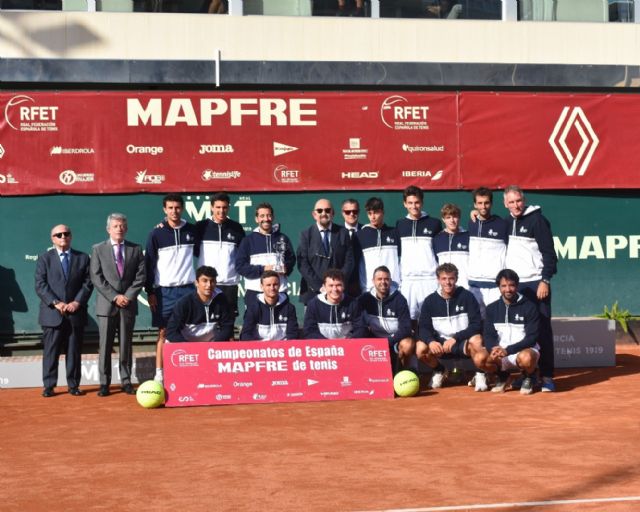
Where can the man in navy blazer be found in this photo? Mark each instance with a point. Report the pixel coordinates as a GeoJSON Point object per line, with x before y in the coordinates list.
{"type": "Point", "coordinates": [118, 273]}
{"type": "Point", "coordinates": [322, 246]}
{"type": "Point", "coordinates": [64, 287]}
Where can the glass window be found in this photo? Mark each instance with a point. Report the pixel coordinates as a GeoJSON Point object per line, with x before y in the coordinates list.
{"type": "Point", "coordinates": [442, 9]}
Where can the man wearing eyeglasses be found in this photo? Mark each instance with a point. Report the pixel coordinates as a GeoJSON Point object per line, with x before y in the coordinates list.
{"type": "Point", "coordinates": [64, 287]}
{"type": "Point", "coordinates": [322, 246]}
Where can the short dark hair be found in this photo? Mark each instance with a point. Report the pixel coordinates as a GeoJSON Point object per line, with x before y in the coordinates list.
{"type": "Point", "coordinates": [267, 274]}
{"type": "Point", "coordinates": [382, 268]}
{"type": "Point", "coordinates": [412, 190]}
{"type": "Point", "coordinates": [374, 203]}
{"type": "Point", "coordinates": [206, 270]}
{"type": "Point", "coordinates": [447, 268]}
{"type": "Point", "coordinates": [351, 200]}
{"type": "Point", "coordinates": [173, 198]}
{"type": "Point", "coordinates": [265, 206]}
{"type": "Point", "coordinates": [333, 273]}
{"type": "Point", "coordinates": [483, 192]}
{"type": "Point", "coordinates": [509, 275]}
{"type": "Point", "coordinates": [220, 196]}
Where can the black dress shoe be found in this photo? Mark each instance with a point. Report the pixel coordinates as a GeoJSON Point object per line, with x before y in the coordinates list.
{"type": "Point", "coordinates": [104, 391]}
{"type": "Point", "coordinates": [47, 392]}
{"type": "Point", "coordinates": [128, 389]}
{"type": "Point", "coordinates": [75, 392]}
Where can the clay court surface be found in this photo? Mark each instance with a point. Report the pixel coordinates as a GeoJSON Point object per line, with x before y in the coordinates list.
{"type": "Point", "coordinates": [454, 449]}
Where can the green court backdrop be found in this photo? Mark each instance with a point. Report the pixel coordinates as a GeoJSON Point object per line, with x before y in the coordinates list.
{"type": "Point", "coordinates": [596, 234]}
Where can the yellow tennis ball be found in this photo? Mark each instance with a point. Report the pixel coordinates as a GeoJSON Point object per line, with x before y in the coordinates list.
{"type": "Point", "coordinates": [406, 383]}
{"type": "Point", "coordinates": [150, 394]}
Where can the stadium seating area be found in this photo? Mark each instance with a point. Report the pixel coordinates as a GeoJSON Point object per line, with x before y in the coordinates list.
{"type": "Point", "coordinates": [522, 10]}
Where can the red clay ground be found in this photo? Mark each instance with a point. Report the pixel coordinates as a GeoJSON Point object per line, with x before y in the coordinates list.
{"type": "Point", "coordinates": [453, 447]}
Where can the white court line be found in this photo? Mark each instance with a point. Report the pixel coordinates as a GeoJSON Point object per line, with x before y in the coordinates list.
{"type": "Point", "coordinates": [512, 505]}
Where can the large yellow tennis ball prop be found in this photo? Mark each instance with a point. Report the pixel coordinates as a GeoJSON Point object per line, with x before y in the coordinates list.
{"type": "Point", "coordinates": [150, 394]}
{"type": "Point", "coordinates": [406, 383]}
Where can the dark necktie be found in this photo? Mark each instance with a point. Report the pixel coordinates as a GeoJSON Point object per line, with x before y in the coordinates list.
{"type": "Point", "coordinates": [351, 232]}
{"type": "Point", "coordinates": [325, 241]}
{"type": "Point", "coordinates": [119, 260]}
{"type": "Point", "coordinates": [65, 264]}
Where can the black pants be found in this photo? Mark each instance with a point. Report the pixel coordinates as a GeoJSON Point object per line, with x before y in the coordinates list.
{"type": "Point", "coordinates": [545, 338]}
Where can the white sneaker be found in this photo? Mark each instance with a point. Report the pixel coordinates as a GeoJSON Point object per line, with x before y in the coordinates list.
{"type": "Point", "coordinates": [472, 382]}
{"type": "Point", "coordinates": [437, 380]}
{"type": "Point", "coordinates": [499, 386]}
{"type": "Point", "coordinates": [481, 382]}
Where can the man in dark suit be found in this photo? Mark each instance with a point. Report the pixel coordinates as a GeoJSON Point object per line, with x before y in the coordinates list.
{"type": "Point", "coordinates": [118, 273]}
{"type": "Point", "coordinates": [322, 246]}
{"type": "Point", "coordinates": [64, 288]}
{"type": "Point", "coordinates": [350, 212]}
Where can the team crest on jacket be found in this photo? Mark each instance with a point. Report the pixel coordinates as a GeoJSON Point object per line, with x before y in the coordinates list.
{"type": "Point", "coordinates": [518, 318]}
{"type": "Point", "coordinates": [427, 231]}
{"type": "Point", "coordinates": [459, 308]}
{"type": "Point", "coordinates": [188, 237]}
{"type": "Point", "coordinates": [523, 229]}
{"type": "Point", "coordinates": [491, 232]}
{"type": "Point", "coordinates": [390, 313]}
{"type": "Point", "coordinates": [390, 240]}
{"type": "Point", "coordinates": [461, 247]}
{"type": "Point", "coordinates": [282, 318]}
{"type": "Point", "coordinates": [230, 236]}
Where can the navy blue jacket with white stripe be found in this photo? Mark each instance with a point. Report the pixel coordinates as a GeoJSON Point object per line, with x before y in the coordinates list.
{"type": "Point", "coordinates": [512, 326]}
{"type": "Point", "coordinates": [387, 318]}
{"type": "Point", "coordinates": [375, 247]}
{"type": "Point", "coordinates": [169, 256]}
{"type": "Point", "coordinates": [192, 320]}
{"type": "Point", "coordinates": [263, 322]}
{"type": "Point", "coordinates": [324, 320]}
{"type": "Point", "coordinates": [218, 247]}
{"type": "Point", "coordinates": [457, 317]}
{"type": "Point", "coordinates": [530, 251]}
{"type": "Point", "coordinates": [487, 250]}
{"type": "Point", "coordinates": [257, 250]}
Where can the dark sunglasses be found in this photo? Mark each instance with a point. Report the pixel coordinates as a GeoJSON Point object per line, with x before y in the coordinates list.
{"type": "Point", "coordinates": [324, 210]}
{"type": "Point", "coordinates": [62, 233]}
{"type": "Point", "coordinates": [351, 212]}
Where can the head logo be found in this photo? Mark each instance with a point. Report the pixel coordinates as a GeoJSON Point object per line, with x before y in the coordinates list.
{"type": "Point", "coordinates": [396, 113]}
{"type": "Point", "coordinates": [30, 117]}
{"type": "Point", "coordinates": [371, 354]}
{"type": "Point", "coordinates": [282, 174]}
{"type": "Point", "coordinates": [569, 161]}
{"type": "Point", "coordinates": [181, 359]}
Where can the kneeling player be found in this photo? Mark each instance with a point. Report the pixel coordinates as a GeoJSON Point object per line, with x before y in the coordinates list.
{"type": "Point", "coordinates": [271, 317]}
{"type": "Point", "coordinates": [332, 314]}
{"type": "Point", "coordinates": [204, 315]}
{"type": "Point", "coordinates": [386, 314]}
{"type": "Point", "coordinates": [511, 334]}
{"type": "Point", "coordinates": [450, 327]}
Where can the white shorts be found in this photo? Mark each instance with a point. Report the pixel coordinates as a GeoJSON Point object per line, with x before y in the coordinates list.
{"type": "Point", "coordinates": [485, 296]}
{"type": "Point", "coordinates": [415, 292]}
{"type": "Point", "coordinates": [509, 363]}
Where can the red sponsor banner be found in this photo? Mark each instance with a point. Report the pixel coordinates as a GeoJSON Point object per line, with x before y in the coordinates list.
{"type": "Point", "coordinates": [283, 371]}
{"type": "Point", "coordinates": [121, 142]}
{"type": "Point", "coordinates": [549, 141]}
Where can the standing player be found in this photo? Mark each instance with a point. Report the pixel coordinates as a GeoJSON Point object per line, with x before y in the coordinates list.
{"type": "Point", "coordinates": [378, 244]}
{"type": "Point", "coordinates": [452, 244]}
{"type": "Point", "coordinates": [169, 264]}
{"type": "Point", "coordinates": [450, 328]}
{"type": "Point", "coordinates": [531, 254]}
{"type": "Point", "coordinates": [350, 213]}
{"type": "Point", "coordinates": [202, 315]}
{"type": "Point", "coordinates": [266, 248]}
{"type": "Point", "coordinates": [511, 334]}
{"type": "Point", "coordinates": [219, 238]}
{"type": "Point", "coordinates": [271, 317]}
{"type": "Point", "coordinates": [332, 314]}
{"type": "Point", "coordinates": [487, 249]}
{"type": "Point", "coordinates": [418, 261]}
{"type": "Point", "coordinates": [386, 314]}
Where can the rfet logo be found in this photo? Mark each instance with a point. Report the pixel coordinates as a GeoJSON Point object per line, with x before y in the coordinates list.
{"type": "Point", "coordinates": [397, 113]}
{"type": "Point", "coordinates": [181, 359]}
{"type": "Point", "coordinates": [21, 113]}
{"type": "Point", "coordinates": [573, 121]}
{"type": "Point", "coordinates": [374, 355]}
{"type": "Point", "coordinates": [282, 174]}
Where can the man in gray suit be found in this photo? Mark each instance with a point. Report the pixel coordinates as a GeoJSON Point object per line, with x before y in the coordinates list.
{"type": "Point", "coordinates": [64, 288]}
{"type": "Point", "coordinates": [117, 272]}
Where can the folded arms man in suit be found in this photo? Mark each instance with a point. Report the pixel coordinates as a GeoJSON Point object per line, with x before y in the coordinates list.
{"type": "Point", "coordinates": [118, 274]}
{"type": "Point", "coordinates": [64, 287]}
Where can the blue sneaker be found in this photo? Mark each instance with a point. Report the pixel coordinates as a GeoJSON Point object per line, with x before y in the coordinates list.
{"type": "Point", "coordinates": [517, 383]}
{"type": "Point", "coordinates": [548, 386]}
